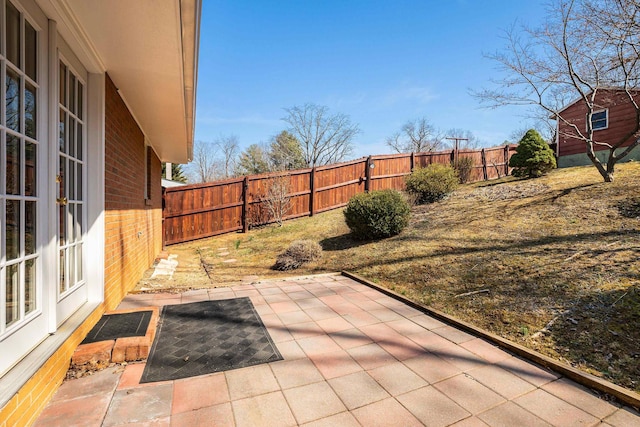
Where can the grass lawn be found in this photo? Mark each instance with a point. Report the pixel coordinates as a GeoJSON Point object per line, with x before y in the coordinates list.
{"type": "Point", "coordinates": [556, 260]}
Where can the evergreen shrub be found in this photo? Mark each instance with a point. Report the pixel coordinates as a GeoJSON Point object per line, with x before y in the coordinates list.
{"type": "Point", "coordinates": [533, 157]}
{"type": "Point", "coordinates": [377, 214]}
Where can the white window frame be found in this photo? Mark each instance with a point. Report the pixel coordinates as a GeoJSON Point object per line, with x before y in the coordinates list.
{"type": "Point", "coordinates": [606, 118]}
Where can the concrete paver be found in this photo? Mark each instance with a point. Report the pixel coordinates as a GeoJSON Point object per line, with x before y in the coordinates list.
{"type": "Point", "coordinates": [432, 407]}
{"type": "Point", "coordinates": [358, 389]}
{"type": "Point", "coordinates": [352, 356]}
{"type": "Point", "coordinates": [313, 402]}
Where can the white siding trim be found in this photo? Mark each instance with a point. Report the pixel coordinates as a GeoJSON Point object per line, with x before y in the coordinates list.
{"type": "Point", "coordinates": [95, 237]}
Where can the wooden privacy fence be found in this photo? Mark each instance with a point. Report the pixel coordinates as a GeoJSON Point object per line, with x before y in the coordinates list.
{"type": "Point", "coordinates": [203, 210]}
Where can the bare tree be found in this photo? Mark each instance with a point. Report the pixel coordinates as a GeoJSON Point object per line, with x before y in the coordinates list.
{"type": "Point", "coordinates": [277, 200]}
{"type": "Point", "coordinates": [324, 138]}
{"type": "Point", "coordinates": [228, 147]}
{"type": "Point", "coordinates": [416, 136]}
{"type": "Point", "coordinates": [205, 166]}
{"type": "Point", "coordinates": [584, 49]}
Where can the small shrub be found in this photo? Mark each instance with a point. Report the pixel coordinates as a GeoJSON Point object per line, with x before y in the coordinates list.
{"type": "Point", "coordinates": [464, 166]}
{"type": "Point", "coordinates": [298, 253]}
{"type": "Point", "coordinates": [377, 214]}
{"type": "Point", "coordinates": [533, 157]}
{"type": "Point", "coordinates": [432, 183]}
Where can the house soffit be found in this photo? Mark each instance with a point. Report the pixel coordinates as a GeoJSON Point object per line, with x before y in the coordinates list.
{"type": "Point", "coordinates": [149, 49]}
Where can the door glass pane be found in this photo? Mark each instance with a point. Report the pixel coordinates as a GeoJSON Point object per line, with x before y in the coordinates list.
{"type": "Point", "coordinates": [79, 222]}
{"type": "Point", "coordinates": [29, 110]}
{"type": "Point", "coordinates": [12, 100]}
{"type": "Point", "coordinates": [63, 283]}
{"type": "Point", "coordinates": [30, 50]}
{"type": "Point", "coordinates": [79, 182]}
{"type": "Point", "coordinates": [80, 91]}
{"type": "Point", "coordinates": [13, 34]}
{"type": "Point", "coordinates": [62, 176]}
{"type": "Point", "coordinates": [70, 216]}
{"type": "Point", "coordinates": [29, 228]}
{"type": "Point", "coordinates": [61, 225]}
{"type": "Point", "coordinates": [30, 286]}
{"type": "Point", "coordinates": [71, 141]}
{"type": "Point", "coordinates": [79, 137]}
{"type": "Point", "coordinates": [63, 84]}
{"type": "Point", "coordinates": [79, 260]}
{"type": "Point", "coordinates": [72, 266]}
{"type": "Point", "coordinates": [61, 135]}
{"type": "Point", "coordinates": [72, 93]}
{"type": "Point", "coordinates": [13, 229]}
{"type": "Point", "coordinates": [72, 181]}
{"type": "Point", "coordinates": [30, 154]}
{"type": "Point", "coordinates": [13, 165]}
{"type": "Point", "coordinates": [12, 293]}
{"type": "Point", "coordinates": [30, 164]}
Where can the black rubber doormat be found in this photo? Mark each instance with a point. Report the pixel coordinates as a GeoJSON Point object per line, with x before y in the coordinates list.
{"type": "Point", "coordinates": [114, 326]}
{"type": "Point", "coordinates": [205, 337]}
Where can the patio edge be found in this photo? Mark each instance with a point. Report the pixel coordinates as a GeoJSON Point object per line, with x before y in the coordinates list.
{"type": "Point", "coordinates": [622, 394]}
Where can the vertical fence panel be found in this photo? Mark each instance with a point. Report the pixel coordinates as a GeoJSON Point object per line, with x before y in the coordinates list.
{"type": "Point", "coordinates": [202, 210]}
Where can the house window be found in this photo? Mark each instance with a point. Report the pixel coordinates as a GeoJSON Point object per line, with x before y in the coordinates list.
{"type": "Point", "coordinates": [600, 119]}
{"type": "Point", "coordinates": [147, 172]}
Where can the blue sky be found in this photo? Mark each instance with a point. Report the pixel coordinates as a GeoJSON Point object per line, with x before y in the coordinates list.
{"type": "Point", "coordinates": [380, 62]}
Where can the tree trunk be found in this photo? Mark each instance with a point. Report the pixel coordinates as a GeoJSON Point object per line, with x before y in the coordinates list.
{"type": "Point", "coordinates": [607, 174]}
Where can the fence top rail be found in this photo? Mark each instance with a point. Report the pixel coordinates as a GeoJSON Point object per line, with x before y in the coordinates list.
{"type": "Point", "coordinates": [204, 185]}
{"type": "Point", "coordinates": [391, 156]}
{"type": "Point", "coordinates": [278, 174]}
{"type": "Point", "coordinates": [339, 165]}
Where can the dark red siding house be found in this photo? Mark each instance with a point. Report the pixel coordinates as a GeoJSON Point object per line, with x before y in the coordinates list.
{"type": "Point", "coordinates": [614, 121]}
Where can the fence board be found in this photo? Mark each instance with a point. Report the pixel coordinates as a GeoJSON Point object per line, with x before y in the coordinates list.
{"type": "Point", "coordinates": [203, 210]}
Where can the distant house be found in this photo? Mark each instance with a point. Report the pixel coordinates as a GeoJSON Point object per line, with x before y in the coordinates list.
{"type": "Point", "coordinates": [614, 121]}
{"type": "Point", "coordinates": [97, 94]}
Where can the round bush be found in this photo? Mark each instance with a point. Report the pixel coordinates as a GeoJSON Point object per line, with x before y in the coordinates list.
{"type": "Point", "coordinates": [377, 214]}
{"type": "Point", "coordinates": [432, 183]}
{"type": "Point", "coordinates": [298, 253]}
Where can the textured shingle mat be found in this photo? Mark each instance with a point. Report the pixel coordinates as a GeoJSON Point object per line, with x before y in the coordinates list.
{"type": "Point", "coordinates": [114, 326]}
{"type": "Point", "coordinates": [210, 336]}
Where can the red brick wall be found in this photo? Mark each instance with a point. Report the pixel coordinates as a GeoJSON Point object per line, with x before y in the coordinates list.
{"type": "Point", "coordinates": [133, 226]}
{"type": "Point", "coordinates": [621, 118]}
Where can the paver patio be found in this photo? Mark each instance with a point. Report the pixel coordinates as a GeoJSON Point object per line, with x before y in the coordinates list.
{"type": "Point", "coordinates": [352, 356]}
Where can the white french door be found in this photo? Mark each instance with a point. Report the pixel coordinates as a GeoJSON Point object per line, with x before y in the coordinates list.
{"type": "Point", "coordinates": [23, 302]}
{"type": "Point", "coordinates": [70, 179]}
{"type": "Point", "coordinates": [44, 203]}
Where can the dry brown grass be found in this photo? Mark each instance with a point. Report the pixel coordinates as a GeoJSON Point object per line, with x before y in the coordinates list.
{"type": "Point", "coordinates": [557, 256]}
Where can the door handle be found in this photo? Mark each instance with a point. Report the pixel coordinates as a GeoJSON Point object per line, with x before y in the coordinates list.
{"type": "Point", "coordinates": [62, 201]}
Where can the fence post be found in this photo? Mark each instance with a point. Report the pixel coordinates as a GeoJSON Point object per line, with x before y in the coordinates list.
{"type": "Point", "coordinates": [483, 155]}
{"type": "Point", "coordinates": [367, 175]}
{"type": "Point", "coordinates": [245, 204]}
{"type": "Point", "coordinates": [312, 186]}
{"type": "Point", "coordinates": [506, 160]}
{"type": "Point", "coordinates": [413, 161]}
{"type": "Point", "coordinates": [164, 210]}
